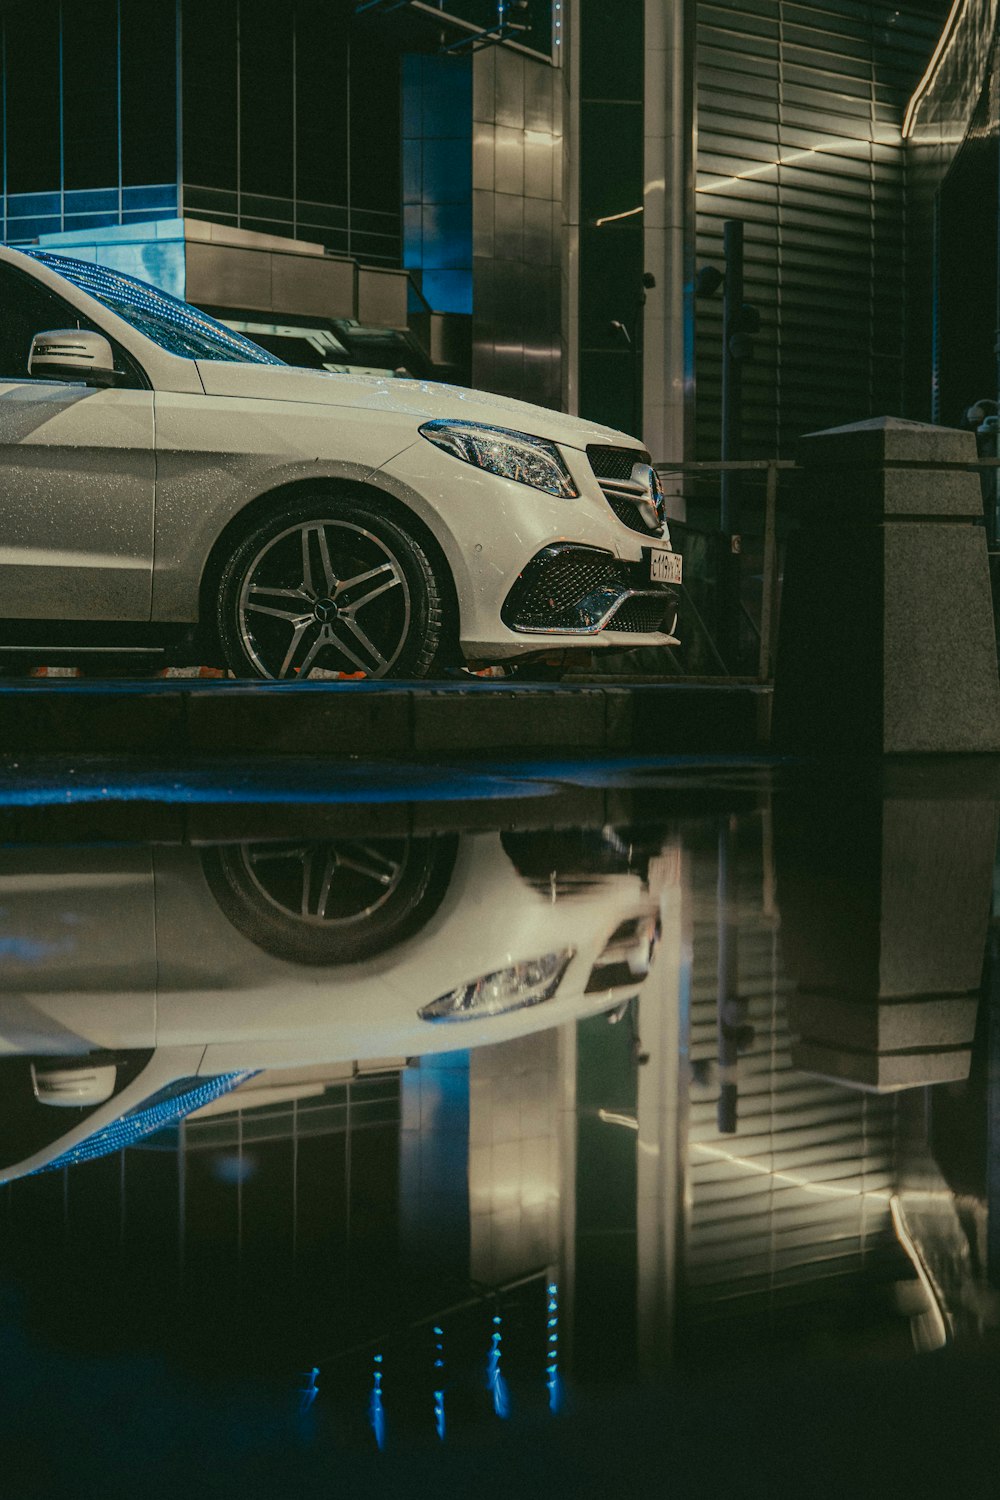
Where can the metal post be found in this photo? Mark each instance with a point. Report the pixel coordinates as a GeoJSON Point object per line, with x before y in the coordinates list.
{"type": "Point", "coordinates": [991, 999]}
{"type": "Point", "coordinates": [769, 599]}
{"type": "Point", "coordinates": [728, 981]}
{"type": "Point", "coordinates": [732, 432]}
{"type": "Point", "coordinates": [732, 375]}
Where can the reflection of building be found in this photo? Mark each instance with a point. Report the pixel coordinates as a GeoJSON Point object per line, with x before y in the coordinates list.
{"type": "Point", "coordinates": [327, 1210]}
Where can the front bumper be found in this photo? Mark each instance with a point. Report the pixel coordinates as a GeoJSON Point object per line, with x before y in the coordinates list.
{"type": "Point", "coordinates": [505, 543]}
{"type": "Point", "coordinates": [582, 591]}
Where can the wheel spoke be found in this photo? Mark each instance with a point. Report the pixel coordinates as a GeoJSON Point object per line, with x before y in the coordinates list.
{"type": "Point", "coordinates": [365, 640]}
{"type": "Point", "coordinates": [391, 866]}
{"type": "Point", "coordinates": [350, 583]}
{"type": "Point", "coordinates": [324, 554]}
{"type": "Point", "coordinates": [329, 870]}
{"type": "Point", "coordinates": [300, 629]}
{"type": "Point", "coordinates": [263, 855]}
{"type": "Point", "coordinates": [345, 650]}
{"type": "Point", "coordinates": [308, 582]}
{"type": "Point", "coordinates": [293, 616]}
{"type": "Point", "coordinates": [323, 638]}
{"type": "Point", "coordinates": [375, 866]}
{"type": "Point", "coordinates": [307, 870]}
{"type": "Point", "coordinates": [276, 592]}
{"type": "Point", "coordinates": [394, 583]}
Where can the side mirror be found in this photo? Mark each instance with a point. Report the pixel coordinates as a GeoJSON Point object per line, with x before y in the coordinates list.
{"type": "Point", "coordinates": [72, 354]}
{"type": "Point", "coordinates": [73, 1086]}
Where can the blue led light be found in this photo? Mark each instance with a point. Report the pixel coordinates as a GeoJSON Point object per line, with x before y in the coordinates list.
{"type": "Point", "coordinates": [439, 1425]}
{"type": "Point", "coordinates": [553, 1382]}
{"type": "Point", "coordinates": [309, 1391]}
{"type": "Point", "coordinates": [157, 1113]}
{"type": "Point", "coordinates": [494, 1378]}
{"type": "Point", "coordinates": [376, 1411]}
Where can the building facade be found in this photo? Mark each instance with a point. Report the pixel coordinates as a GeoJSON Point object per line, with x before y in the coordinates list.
{"type": "Point", "coordinates": [549, 178]}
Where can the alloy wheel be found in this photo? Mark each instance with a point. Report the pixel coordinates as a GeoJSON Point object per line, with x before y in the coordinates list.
{"type": "Point", "coordinates": [324, 596]}
{"type": "Point", "coordinates": [327, 883]}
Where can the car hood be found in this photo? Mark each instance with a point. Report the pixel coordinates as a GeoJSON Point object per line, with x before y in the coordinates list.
{"type": "Point", "coordinates": [396, 397]}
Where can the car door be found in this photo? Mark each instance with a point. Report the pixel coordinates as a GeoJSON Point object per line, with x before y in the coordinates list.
{"type": "Point", "coordinates": [77, 950]}
{"type": "Point", "coordinates": [77, 470]}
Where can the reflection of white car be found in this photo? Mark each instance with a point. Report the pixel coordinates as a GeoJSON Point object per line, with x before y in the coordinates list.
{"type": "Point", "coordinates": [169, 486]}
{"type": "Point", "coordinates": [142, 962]}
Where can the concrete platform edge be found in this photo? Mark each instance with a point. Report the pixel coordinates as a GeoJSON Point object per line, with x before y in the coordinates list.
{"type": "Point", "coordinates": [376, 719]}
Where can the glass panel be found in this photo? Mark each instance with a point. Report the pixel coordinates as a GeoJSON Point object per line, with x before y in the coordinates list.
{"type": "Point", "coordinates": [321, 54]}
{"type": "Point", "coordinates": [159, 195]}
{"type": "Point", "coordinates": [266, 99]}
{"type": "Point", "coordinates": [149, 82]}
{"type": "Point", "coordinates": [97, 200]}
{"type": "Point", "coordinates": [90, 95]}
{"type": "Point", "coordinates": [210, 79]}
{"type": "Point", "coordinates": [21, 205]}
{"type": "Point", "coordinates": [375, 124]}
{"type": "Point", "coordinates": [33, 99]}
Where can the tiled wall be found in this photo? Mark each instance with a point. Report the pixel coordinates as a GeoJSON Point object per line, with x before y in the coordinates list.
{"type": "Point", "coordinates": [517, 222]}
{"type": "Point", "coordinates": [515, 1178]}
{"type": "Point", "coordinates": [437, 178]}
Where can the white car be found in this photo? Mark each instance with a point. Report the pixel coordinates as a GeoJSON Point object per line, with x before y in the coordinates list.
{"type": "Point", "coordinates": [172, 488]}
{"type": "Point", "coordinates": [138, 984]}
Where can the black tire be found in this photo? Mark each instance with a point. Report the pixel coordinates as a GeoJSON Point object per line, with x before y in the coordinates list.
{"type": "Point", "coordinates": [329, 585]}
{"type": "Point", "coordinates": [290, 900]}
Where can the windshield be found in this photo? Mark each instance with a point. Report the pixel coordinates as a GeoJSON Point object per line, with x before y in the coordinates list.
{"type": "Point", "coordinates": [174, 325]}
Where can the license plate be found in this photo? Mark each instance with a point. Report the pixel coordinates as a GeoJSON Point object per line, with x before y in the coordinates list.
{"type": "Point", "coordinates": [665, 567]}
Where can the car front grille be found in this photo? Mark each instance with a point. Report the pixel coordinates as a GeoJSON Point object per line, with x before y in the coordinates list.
{"type": "Point", "coordinates": [613, 471]}
{"type": "Point", "coordinates": [643, 615]}
{"type": "Point", "coordinates": [615, 463]}
{"type": "Point", "coordinates": [574, 589]}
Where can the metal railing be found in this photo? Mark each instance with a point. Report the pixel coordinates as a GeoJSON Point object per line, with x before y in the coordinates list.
{"type": "Point", "coordinates": [766, 630]}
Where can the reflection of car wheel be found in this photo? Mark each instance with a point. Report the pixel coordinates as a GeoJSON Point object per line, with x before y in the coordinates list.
{"type": "Point", "coordinates": [337, 902]}
{"type": "Point", "coordinates": [329, 585]}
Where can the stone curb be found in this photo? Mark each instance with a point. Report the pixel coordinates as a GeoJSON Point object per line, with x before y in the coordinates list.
{"type": "Point", "coordinates": [374, 719]}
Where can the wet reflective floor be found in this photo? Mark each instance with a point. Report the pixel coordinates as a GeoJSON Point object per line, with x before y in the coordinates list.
{"type": "Point", "coordinates": [558, 1128]}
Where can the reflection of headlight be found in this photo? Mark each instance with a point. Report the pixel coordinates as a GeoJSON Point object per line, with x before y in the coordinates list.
{"type": "Point", "coordinates": [512, 455]}
{"type": "Point", "coordinates": [502, 991]}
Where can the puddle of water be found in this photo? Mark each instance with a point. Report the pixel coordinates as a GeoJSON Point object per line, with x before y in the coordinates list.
{"type": "Point", "coordinates": [548, 1147]}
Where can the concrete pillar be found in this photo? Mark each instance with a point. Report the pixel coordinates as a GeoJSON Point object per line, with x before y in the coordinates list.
{"type": "Point", "coordinates": [668, 211]}
{"type": "Point", "coordinates": [886, 642]}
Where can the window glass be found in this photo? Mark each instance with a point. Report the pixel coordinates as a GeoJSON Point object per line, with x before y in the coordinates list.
{"type": "Point", "coordinates": [32, 83]}
{"type": "Point", "coordinates": [210, 71]}
{"type": "Point", "coordinates": [174, 325]}
{"type": "Point", "coordinates": [149, 77]}
{"type": "Point", "coordinates": [27, 308]}
{"type": "Point", "coordinates": [321, 93]}
{"type": "Point", "coordinates": [90, 96]}
{"type": "Point", "coordinates": [267, 152]}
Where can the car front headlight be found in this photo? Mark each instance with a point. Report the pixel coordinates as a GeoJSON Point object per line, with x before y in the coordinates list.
{"type": "Point", "coordinates": [498, 450]}
{"type": "Point", "coordinates": [504, 990]}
